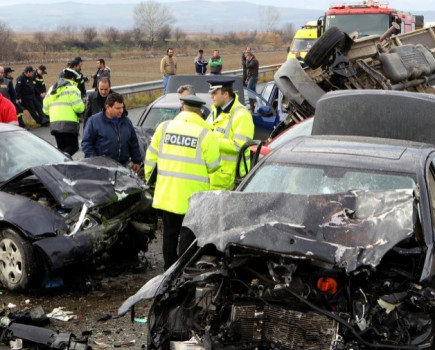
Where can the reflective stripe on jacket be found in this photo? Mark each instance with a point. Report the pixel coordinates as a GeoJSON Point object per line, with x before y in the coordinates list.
{"type": "Point", "coordinates": [186, 152]}
{"type": "Point", "coordinates": [62, 104]}
{"type": "Point", "coordinates": [233, 128]}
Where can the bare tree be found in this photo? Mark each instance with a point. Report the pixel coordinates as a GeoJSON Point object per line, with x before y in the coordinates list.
{"type": "Point", "coordinates": [151, 16]}
{"type": "Point", "coordinates": [68, 33]}
{"type": "Point", "coordinates": [179, 34]}
{"type": "Point", "coordinates": [269, 16]}
{"type": "Point", "coordinates": [40, 38]}
{"type": "Point", "coordinates": [137, 34]}
{"type": "Point", "coordinates": [8, 46]}
{"type": "Point", "coordinates": [89, 34]}
{"type": "Point", "coordinates": [164, 33]}
{"type": "Point", "coordinates": [112, 34]}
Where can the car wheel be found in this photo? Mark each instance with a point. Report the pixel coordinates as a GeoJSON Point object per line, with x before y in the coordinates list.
{"type": "Point", "coordinates": [323, 46]}
{"type": "Point", "coordinates": [19, 265]}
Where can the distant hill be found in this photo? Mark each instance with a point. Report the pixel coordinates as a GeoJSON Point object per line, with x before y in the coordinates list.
{"type": "Point", "coordinates": [193, 15]}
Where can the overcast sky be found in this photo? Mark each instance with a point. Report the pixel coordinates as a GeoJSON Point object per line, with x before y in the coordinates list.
{"type": "Point", "coordinates": [408, 5]}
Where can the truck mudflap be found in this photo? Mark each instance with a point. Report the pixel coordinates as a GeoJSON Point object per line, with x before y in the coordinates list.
{"type": "Point", "coordinates": [42, 336]}
{"type": "Point", "coordinates": [296, 85]}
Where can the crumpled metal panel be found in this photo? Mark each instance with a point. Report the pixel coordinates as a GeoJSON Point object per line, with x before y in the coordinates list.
{"type": "Point", "coordinates": [90, 181]}
{"type": "Point", "coordinates": [346, 229]}
{"type": "Point", "coordinates": [28, 214]}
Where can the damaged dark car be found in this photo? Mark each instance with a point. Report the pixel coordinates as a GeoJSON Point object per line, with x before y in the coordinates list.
{"type": "Point", "coordinates": [328, 243]}
{"type": "Point", "coordinates": [56, 213]}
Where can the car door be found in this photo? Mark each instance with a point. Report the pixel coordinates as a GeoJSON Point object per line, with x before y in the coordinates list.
{"type": "Point", "coordinates": [263, 114]}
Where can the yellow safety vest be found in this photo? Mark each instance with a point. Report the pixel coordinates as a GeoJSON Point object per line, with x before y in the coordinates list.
{"type": "Point", "coordinates": [233, 129]}
{"type": "Point", "coordinates": [65, 104]}
{"type": "Point", "coordinates": [186, 152]}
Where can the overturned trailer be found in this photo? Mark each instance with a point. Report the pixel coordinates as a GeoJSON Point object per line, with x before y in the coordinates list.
{"type": "Point", "coordinates": [336, 62]}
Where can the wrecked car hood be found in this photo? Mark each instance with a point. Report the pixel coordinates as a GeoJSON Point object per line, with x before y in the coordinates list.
{"type": "Point", "coordinates": [346, 229]}
{"type": "Point", "coordinates": [90, 181]}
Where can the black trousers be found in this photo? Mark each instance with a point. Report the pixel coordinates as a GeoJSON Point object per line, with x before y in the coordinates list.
{"type": "Point", "coordinates": [34, 108]}
{"type": "Point", "coordinates": [66, 142]}
{"type": "Point", "coordinates": [172, 232]}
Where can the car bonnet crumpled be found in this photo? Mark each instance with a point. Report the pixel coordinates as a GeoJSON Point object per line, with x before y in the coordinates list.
{"type": "Point", "coordinates": [346, 229]}
{"type": "Point", "coordinates": [90, 181]}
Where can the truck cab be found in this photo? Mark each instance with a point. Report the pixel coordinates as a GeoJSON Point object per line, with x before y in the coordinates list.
{"type": "Point", "coordinates": [303, 40]}
{"type": "Point", "coordinates": [367, 18]}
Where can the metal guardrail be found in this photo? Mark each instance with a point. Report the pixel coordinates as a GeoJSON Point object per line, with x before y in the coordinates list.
{"type": "Point", "coordinates": [158, 84]}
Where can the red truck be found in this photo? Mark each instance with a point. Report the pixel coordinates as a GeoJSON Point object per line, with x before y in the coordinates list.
{"type": "Point", "coordinates": [369, 17]}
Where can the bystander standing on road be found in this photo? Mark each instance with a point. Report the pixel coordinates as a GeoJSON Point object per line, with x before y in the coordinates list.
{"type": "Point", "coordinates": [26, 96]}
{"type": "Point", "coordinates": [233, 126]}
{"type": "Point", "coordinates": [97, 100]}
{"type": "Point", "coordinates": [215, 62]}
{"type": "Point", "coordinates": [111, 133]}
{"type": "Point", "coordinates": [200, 63]}
{"type": "Point", "coordinates": [81, 80]}
{"type": "Point", "coordinates": [185, 153]}
{"type": "Point", "coordinates": [245, 76]}
{"type": "Point", "coordinates": [12, 94]}
{"type": "Point", "coordinates": [39, 83]}
{"type": "Point", "coordinates": [168, 67]}
{"type": "Point", "coordinates": [8, 112]}
{"type": "Point", "coordinates": [63, 104]}
{"type": "Point", "coordinates": [102, 71]}
{"type": "Point", "coordinates": [251, 71]}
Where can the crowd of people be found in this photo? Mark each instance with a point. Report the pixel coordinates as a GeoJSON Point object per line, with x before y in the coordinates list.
{"type": "Point", "coordinates": [188, 154]}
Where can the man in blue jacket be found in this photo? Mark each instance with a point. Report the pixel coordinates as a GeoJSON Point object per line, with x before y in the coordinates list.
{"type": "Point", "coordinates": [110, 133]}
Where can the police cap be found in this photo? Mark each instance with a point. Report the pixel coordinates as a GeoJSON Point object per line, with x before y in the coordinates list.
{"type": "Point", "coordinates": [43, 68]}
{"type": "Point", "coordinates": [192, 100]}
{"type": "Point", "coordinates": [219, 84]}
{"type": "Point", "coordinates": [28, 69]}
{"type": "Point", "coordinates": [9, 70]}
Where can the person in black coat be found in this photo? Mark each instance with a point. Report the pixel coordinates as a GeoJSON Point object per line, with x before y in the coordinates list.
{"type": "Point", "coordinates": [26, 96]}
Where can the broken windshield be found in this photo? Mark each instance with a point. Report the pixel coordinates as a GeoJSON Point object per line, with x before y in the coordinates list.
{"type": "Point", "coordinates": [323, 180]}
{"type": "Point", "coordinates": [364, 24]}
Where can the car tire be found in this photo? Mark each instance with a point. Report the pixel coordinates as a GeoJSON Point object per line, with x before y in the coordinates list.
{"type": "Point", "coordinates": [323, 46]}
{"type": "Point", "coordinates": [19, 263]}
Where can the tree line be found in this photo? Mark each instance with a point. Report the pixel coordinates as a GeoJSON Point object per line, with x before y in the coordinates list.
{"type": "Point", "coordinates": [152, 29]}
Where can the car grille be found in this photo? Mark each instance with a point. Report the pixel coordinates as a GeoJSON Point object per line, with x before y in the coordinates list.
{"type": "Point", "coordinates": [112, 210]}
{"type": "Point", "coordinates": [285, 328]}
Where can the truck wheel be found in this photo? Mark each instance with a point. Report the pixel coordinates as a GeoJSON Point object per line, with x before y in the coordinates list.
{"type": "Point", "coordinates": [19, 263]}
{"type": "Point", "coordinates": [323, 46]}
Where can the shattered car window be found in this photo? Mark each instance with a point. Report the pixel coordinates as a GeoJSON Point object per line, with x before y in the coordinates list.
{"type": "Point", "coordinates": [159, 115]}
{"type": "Point", "coordinates": [325, 180]}
{"type": "Point", "coordinates": [22, 150]}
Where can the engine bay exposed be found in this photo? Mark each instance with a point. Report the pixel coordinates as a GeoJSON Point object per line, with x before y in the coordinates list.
{"type": "Point", "coordinates": [253, 299]}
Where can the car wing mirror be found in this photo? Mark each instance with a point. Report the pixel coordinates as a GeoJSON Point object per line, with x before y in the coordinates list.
{"type": "Point", "coordinates": [265, 111]}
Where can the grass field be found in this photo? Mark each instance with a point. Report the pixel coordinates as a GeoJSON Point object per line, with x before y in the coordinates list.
{"type": "Point", "coordinates": [130, 71]}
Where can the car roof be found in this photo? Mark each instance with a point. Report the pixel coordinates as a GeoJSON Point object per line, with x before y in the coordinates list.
{"type": "Point", "coordinates": [171, 100]}
{"type": "Point", "coordinates": [200, 84]}
{"type": "Point", "coordinates": [353, 151]}
{"type": "Point", "coordinates": [9, 127]}
{"type": "Point", "coordinates": [377, 113]}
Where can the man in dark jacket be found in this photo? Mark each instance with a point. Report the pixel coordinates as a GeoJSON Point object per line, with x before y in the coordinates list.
{"type": "Point", "coordinates": [248, 49]}
{"type": "Point", "coordinates": [252, 66]}
{"type": "Point", "coordinates": [26, 96]}
{"type": "Point", "coordinates": [39, 83]}
{"type": "Point", "coordinates": [97, 99]}
{"type": "Point", "coordinates": [7, 90]}
{"type": "Point", "coordinates": [102, 71]}
{"type": "Point", "coordinates": [111, 134]}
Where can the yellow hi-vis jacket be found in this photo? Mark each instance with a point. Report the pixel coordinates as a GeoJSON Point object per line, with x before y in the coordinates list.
{"type": "Point", "coordinates": [62, 104]}
{"type": "Point", "coordinates": [233, 127]}
{"type": "Point", "coordinates": [186, 152]}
